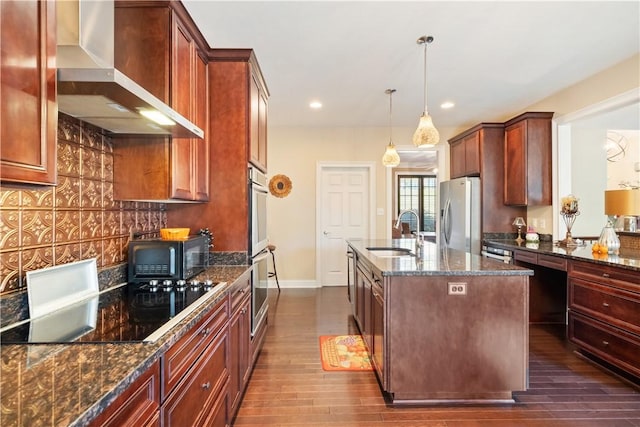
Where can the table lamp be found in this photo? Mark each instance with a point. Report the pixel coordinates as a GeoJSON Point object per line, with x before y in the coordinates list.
{"type": "Point", "coordinates": [519, 222]}
{"type": "Point", "coordinates": [618, 203]}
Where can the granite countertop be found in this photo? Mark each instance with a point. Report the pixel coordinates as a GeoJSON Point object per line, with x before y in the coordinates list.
{"type": "Point", "coordinates": [435, 261]}
{"type": "Point", "coordinates": [627, 258]}
{"type": "Point", "coordinates": [69, 384]}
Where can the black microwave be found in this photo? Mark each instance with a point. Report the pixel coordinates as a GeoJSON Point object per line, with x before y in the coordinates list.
{"type": "Point", "coordinates": [167, 259]}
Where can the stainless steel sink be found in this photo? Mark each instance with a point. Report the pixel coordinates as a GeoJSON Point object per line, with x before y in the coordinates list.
{"type": "Point", "coordinates": [390, 252]}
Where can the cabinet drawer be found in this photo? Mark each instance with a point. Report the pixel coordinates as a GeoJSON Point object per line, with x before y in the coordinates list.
{"type": "Point", "coordinates": [610, 275]}
{"type": "Point", "coordinates": [610, 344]}
{"type": "Point", "coordinates": [179, 358]}
{"type": "Point", "coordinates": [524, 256]}
{"type": "Point", "coordinates": [608, 304]}
{"type": "Point", "coordinates": [555, 262]}
{"type": "Point", "coordinates": [241, 290]}
{"type": "Point", "coordinates": [192, 401]}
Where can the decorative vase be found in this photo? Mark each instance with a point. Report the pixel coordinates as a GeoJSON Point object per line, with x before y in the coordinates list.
{"type": "Point", "coordinates": [609, 238]}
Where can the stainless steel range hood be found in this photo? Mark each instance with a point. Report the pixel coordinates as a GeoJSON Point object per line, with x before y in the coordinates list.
{"type": "Point", "coordinates": [89, 86]}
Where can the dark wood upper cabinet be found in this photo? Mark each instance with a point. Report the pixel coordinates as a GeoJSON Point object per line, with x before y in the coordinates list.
{"type": "Point", "coordinates": [478, 151]}
{"type": "Point", "coordinates": [465, 156]}
{"type": "Point", "coordinates": [258, 125]}
{"type": "Point", "coordinates": [28, 111]}
{"type": "Point", "coordinates": [527, 160]}
{"type": "Point", "coordinates": [161, 49]}
{"type": "Point", "coordinates": [236, 88]}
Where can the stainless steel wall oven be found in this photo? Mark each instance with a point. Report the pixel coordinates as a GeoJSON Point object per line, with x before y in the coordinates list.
{"type": "Point", "coordinates": [258, 246]}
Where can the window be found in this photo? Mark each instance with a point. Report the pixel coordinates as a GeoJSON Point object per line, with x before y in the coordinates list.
{"type": "Point", "coordinates": [418, 193]}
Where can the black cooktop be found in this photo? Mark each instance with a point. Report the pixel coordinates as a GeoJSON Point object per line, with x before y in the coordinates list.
{"type": "Point", "coordinates": [131, 313]}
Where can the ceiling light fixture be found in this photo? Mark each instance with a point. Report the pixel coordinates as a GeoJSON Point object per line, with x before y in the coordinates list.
{"type": "Point", "coordinates": [316, 105]}
{"type": "Point", "coordinates": [426, 134]}
{"type": "Point", "coordinates": [390, 158]}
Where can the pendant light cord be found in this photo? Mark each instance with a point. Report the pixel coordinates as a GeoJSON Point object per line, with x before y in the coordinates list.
{"type": "Point", "coordinates": [424, 40]}
{"type": "Point", "coordinates": [390, 93]}
{"type": "Point", "coordinates": [425, 78]}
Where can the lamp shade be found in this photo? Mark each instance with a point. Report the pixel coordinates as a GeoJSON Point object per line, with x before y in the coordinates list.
{"type": "Point", "coordinates": [426, 135]}
{"type": "Point", "coordinates": [391, 158]}
{"type": "Point", "coordinates": [622, 202]}
{"type": "Point", "coordinates": [519, 222]}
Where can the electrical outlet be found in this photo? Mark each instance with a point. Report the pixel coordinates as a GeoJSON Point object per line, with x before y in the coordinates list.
{"type": "Point", "coordinates": [457, 288]}
{"type": "Point", "coordinates": [534, 222]}
{"type": "Point", "coordinates": [543, 223]}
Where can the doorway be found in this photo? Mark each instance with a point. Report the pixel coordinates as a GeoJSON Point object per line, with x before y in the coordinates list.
{"type": "Point", "coordinates": [345, 210]}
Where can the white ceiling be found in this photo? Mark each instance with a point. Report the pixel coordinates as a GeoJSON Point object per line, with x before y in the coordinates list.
{"type": "Point", "coordinates": [491, 58]}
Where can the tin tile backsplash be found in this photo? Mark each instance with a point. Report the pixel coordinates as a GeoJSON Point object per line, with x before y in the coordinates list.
{"type": "Point", "coordinates": [76, 219]}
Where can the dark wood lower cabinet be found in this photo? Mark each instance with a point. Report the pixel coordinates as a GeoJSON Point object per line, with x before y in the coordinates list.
{"type": "Point", "coordinates": [138, 405]}
{"type": "Point", "coordinates": [240, 342]}
{"type": "Point", "coordinates": [604, 315]}
{"type": "Point", "coordinates": [193, 402]}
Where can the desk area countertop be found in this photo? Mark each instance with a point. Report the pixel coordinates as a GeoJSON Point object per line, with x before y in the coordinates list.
{"type": "Point", "coordinates": [435, 261]}
{"type": "Point", "coordinates": [70, 384]}
{"type": "Point", "coordinates": [627, 258]}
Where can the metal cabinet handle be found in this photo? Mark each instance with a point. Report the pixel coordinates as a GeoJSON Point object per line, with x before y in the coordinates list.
{"type": "Point", "coordinates": [605, 275]}
{"type": "Point", "coordinates": [604, 304]}
{"type": "Point", "coordinates": [605, 343]}
{"type": "Point", "coordinates": [205, 332]}
{"type": "Point", "coordinates": [206, 385]}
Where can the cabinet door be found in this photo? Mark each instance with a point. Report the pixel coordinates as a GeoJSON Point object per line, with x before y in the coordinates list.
{"type": "Point", "coordinates": [515, 160]}
{"type": "Point", "coordinates": [201, 146]}
{"type": "Point", "coordinates": [262, 130]}
{"type": "Point", "coordinates": [258, 125]}
{"type": "Point", "coordinates": [457, 153]}
{"type": "Point", "coordinates": [240, 339]}
{"type": "Point", "coordinates": [28, 112]}
{"type": "Point", "coordinates": [138, 405]}
{"type": "Point", "coordinates": [472, 154]}
{"type": "Point", "coordinates": [378, 330]}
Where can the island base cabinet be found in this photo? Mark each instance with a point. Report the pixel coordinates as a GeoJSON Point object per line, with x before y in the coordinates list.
{"type": "Point", "coordinates": [470, 346]}
{"type": "Point", "coordinates": [197, 400]}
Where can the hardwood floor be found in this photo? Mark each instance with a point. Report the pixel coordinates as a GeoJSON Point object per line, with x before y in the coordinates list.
{"type": "Point", "coordinates": [289, 388]}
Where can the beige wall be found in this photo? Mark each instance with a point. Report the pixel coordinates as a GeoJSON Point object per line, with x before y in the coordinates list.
{"type": "Point", "coordinates": [609, 83]}
{"type": "Point", "coordinates": [295, 152]}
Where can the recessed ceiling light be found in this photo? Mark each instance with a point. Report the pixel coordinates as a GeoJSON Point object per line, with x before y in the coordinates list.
{"type": "Point", "coordinates": [315, 105]}
{"type": "Point", "coordinates": [447, 105]}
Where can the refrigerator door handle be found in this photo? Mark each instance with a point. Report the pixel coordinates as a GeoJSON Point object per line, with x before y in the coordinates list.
{"type": "Point", "coordinates": [446, 221]}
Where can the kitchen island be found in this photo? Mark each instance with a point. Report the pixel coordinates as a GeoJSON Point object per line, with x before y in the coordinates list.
{"type": "Point", "coordinates": [447, 326]}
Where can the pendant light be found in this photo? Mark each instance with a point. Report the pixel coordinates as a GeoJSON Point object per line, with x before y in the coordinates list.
{"type": "Point", "coordinates": [426, 135]}
{"type": "Point", "coordinates": [390, 158]}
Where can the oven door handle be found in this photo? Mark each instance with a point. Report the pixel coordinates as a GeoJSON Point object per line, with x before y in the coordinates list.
{"type": "Point", "coordinates": [503, 258]}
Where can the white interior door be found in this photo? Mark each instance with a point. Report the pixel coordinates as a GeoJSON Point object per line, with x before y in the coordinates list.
{"type": "Point", "coordinates": [344, 211]}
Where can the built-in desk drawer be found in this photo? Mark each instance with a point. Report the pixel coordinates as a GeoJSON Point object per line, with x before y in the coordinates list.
{"type": "Point", "coordinates": [549, 261]}
{"type": "Point", "coordinates": [555, 262]}
{"type": "Point", "coordinates": [524, 256]}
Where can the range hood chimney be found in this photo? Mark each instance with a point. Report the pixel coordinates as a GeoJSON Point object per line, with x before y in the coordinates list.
{"type": "Point", "coordinates": [92, 89]}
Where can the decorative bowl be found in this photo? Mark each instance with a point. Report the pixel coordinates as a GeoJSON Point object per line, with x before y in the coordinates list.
{"type": "Point", "coordinates": [174, 233]}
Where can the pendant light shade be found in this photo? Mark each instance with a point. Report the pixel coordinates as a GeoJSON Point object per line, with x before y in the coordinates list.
{"type": "Point", "coordinates": [390, 158]}
{"type": "Point", "coordinates": [426, 135]}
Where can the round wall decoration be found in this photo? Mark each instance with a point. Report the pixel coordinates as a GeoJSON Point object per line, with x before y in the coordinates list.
{"type": "Point", "coordinates": [280, 185]}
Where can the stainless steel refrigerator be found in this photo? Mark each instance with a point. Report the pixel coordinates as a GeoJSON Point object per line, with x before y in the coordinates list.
{"type": "Point", "coordinates": [460, 214]}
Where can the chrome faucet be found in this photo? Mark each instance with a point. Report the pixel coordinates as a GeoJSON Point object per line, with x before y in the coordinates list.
{"type": "Point", "coordinates": [419, 240]}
